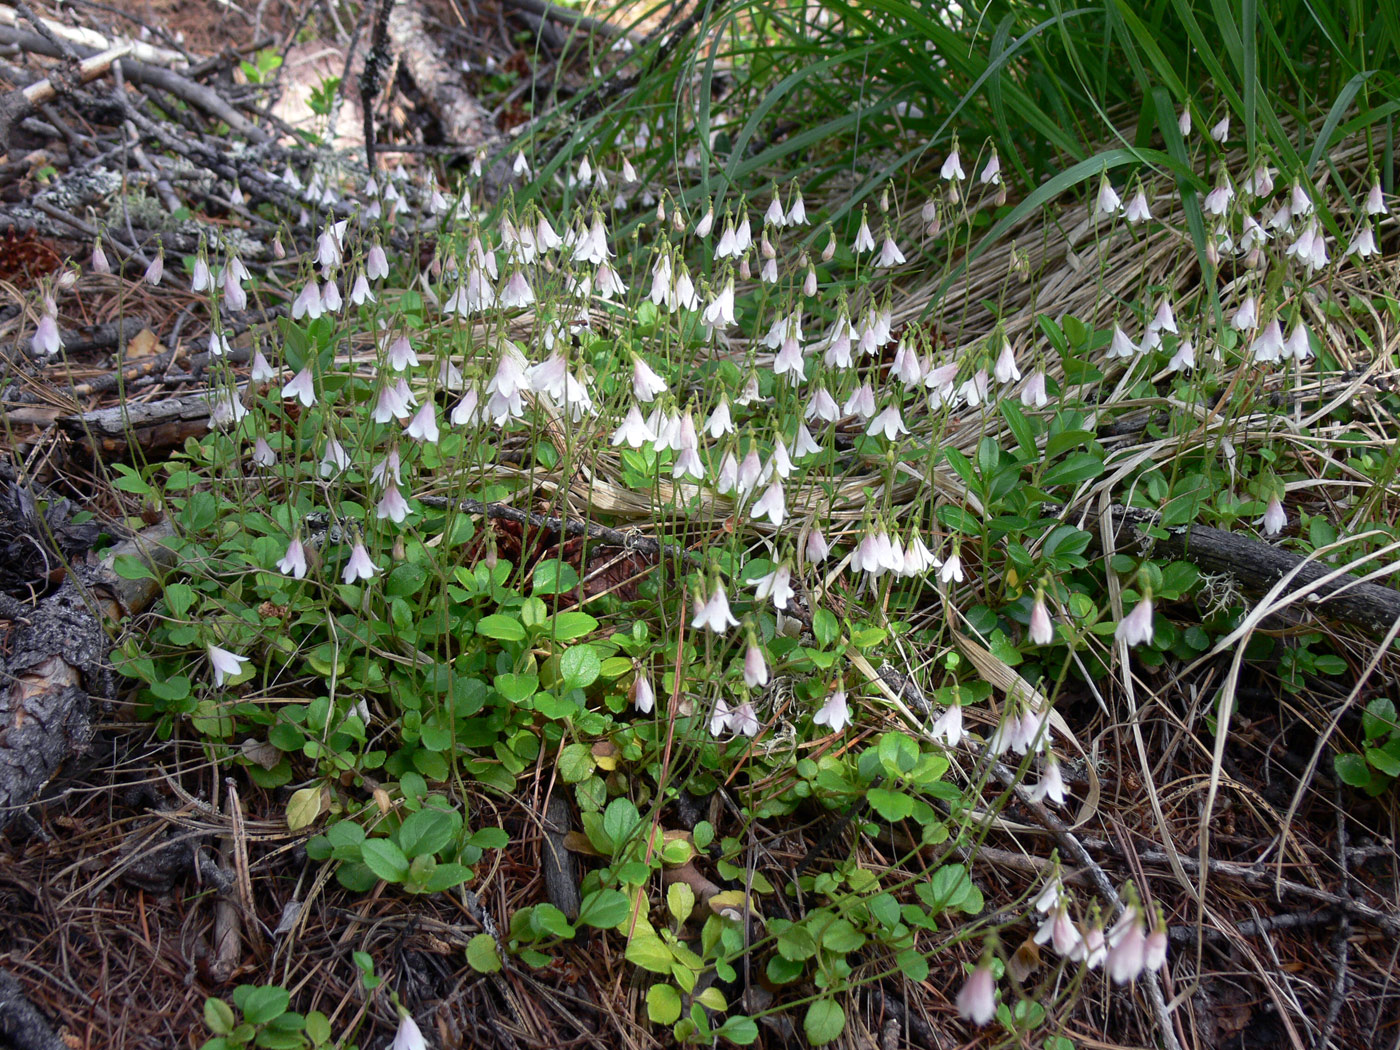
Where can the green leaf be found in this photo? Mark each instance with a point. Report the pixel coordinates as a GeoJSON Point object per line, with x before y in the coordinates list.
{"type": "Point", "coordinates": [384, 859]}
{"type": "Point", "coordinates": [867, 637]}
{"type": "Point", "coordinates": [824, 1021]}
{"type": "Point", "coordinates": [265, 1003]}
{"type": "Point", "coordinates": [784, 971]}
{"type": "Point", "coordinates": [663, 1004]}
{"type": "Point", "coordinates": [1352, 769]}
{"type": "Point", "coordinates": [129, 481]}
{"type": "Point", "coordinates": [178, 598]}
{"type": "Point", "coordinates": [1000, 646]}
{"type": "Point", "coordinates": [482, 954]}
{"type": "Point", "coordinates": [620, 820]}
{"type": "Point", "coordinates": [948, 888]}
{"type": "Point", "coordinates": [1072, 470]}
{"type": "Point", "coordinates": [1384, 761]}
{"type": "Point", "coordinates": [712, 999]}
{"type": "Point", "coordinates": [913, 964]}
{"type": "Point", "coordinates": [796, 943]}
{"type": "Point", "coordinates": [1379, 718]}
{"type": "Point", "coordinates": [825, 627]}
{"type": "Point", "coordinates": [1022, 429]}
{"type": "Point", "coordinates": [959, 520]}
{"type": "Point", "coordinates": [554, 577]}
{"type": "Point", "coordinates": [445, 876]}
{"type": "Point", "coordinates": [428, 831]}
{"type": "Point", "coordinates": [649, 952]}
{"type": "Point", "coordinates": [552, 921]}
{"type": "Point", "coordinates": [579, 666]}
{"type": "Point", "coordinates": [842, 937]}
{"type": "Point", "coordinates": [406, 579]}
{"type": "Point", "coordinates": [576, 763]}
{"type": "Point", "coordinates": [891, 805]}
{"type": "Point", "coordinates": [741, 1030]}
{"type": "Point", "coordinates": [130, 567]}
{"type": "Point", "coordinates": [502, 628]}
{"type": "Point", "coordinates": [218, 1015]}
{"type": "Point", "coordinates": [517, 688]}
{"type": "Point", "coordinates": [604, 909]}
{"type": "Point", "coordinates": [680, 901]}
{"type": "Point", "coordinates": [489, 838]}
{"type": "Point", "coordinates": [318, 1028]}
{"type": "Point", "coordinates": [566, 626]}
{"type": "Point", "coordinates": [898, 754]}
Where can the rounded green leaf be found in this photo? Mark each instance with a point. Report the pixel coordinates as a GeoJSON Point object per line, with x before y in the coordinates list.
{"type": "Point", "coordinates": [567, 626]}
{"type": "Point", "coordinates": [825, 1020]}
{"type": "Point", "coordinates": [663, 1004]}
{"type": "Point", "coordinates": [604, 909]}
{"type": "Point", "coordinates": [265, 1003]}
{"type": "Point", "coordinates": [552, 577]}
{"type": "Point", "coordinates": [576, 763]}
{"type": "Point", "coordinates": [579, 666]}
{"type": "Point", "coordinates": [1379, 718]}
{"type": "Point", "coordinates": [426, 832]}
{"type": "Point", "coordinates": [517, 688]}
{"type": "Point", "coordinates": [482, 955]}
{"type": "Point", "coordinates": [384, 859]}
{"type": "Point", "coordinates": [740, 1030]}
{"type": "Point", "coordinates": [825, 627]}
{"type": "Point", "coordinates": [218, 1015]}
{"type": "Point", "coordinates": [1384, 761]}
{"type": "Point", "coordinates": [502, 628]}
{"type": "Point", "coordinates": [649, 952]}
{"type": "Point", "coordinates": [406, 579]}
{"type": "Point", "coordinates": [891, 805]}
{"type": "Point", "coordinates": [1352, 770]}
{"type": "Point", "coordinates": [446, 876]}
{"type": "Point", "coordinates": [796, 943]}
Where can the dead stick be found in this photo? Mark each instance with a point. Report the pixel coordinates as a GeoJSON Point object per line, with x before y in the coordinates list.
{"type": "Point", "coordinates": [89, 69]}
{"type": "Point", "coordinates": [22, 102]}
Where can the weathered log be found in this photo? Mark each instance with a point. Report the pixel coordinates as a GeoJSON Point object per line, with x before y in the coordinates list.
{"type": "Point", "coordinates": [1257, 566]}
{"type": "Point", "coordinates": [557, 864]}
{"type": "Point", "coordinates": [150, 425]}
{"type": "Point", "coordinates": [463, 119]}
{"type": "Point", "coordinates": [56, 659]}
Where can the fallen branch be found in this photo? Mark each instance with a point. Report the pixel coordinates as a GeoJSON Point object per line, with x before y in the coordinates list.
{"type": "Point", "coordinates": [89, 69]}
{"type": "Point", "coordinates": [150, 425]}
{"type": "Point", "coordinates": [1257, 566]}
